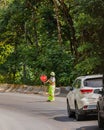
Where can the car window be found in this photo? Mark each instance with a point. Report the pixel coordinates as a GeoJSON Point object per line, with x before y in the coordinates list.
{"type": "Point", "coordinates": [77, 83]}
{"type": "Point", "coordinates": [94, 82]}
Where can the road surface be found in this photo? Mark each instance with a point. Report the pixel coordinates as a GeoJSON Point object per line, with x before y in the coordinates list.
{"type": "Point", "coordinates": [32, 112]}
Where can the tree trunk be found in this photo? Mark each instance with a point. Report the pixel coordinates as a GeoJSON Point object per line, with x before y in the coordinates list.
{"type": "Point", "coordinates": [58, 23]}
{"type": "Point", "coordinates": [65, 11]}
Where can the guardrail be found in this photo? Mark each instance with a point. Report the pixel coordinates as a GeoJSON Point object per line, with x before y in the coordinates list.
{"type": "Point", "coordinates": [31, 89]}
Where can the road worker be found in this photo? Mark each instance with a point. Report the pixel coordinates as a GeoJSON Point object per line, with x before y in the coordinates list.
{"type": "Point", "coordinates": [51, 88]}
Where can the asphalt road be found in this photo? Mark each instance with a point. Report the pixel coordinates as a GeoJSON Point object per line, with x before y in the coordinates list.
{"type": "Point", "coordinates": [32, 112]}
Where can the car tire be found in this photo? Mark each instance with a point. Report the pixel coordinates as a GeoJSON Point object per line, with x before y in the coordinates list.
{"type": "Point", "coordinates": [78, 116]}
{"type": "Point", "coordinates": [100, 121]}
{"type": "Point", "coordinates": [70, 113]}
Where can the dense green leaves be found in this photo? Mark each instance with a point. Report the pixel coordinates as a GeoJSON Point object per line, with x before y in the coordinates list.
{"type": "Point", "coordinates": [5, 51]}
{"type": "Point", "coordinates": [37, 37]}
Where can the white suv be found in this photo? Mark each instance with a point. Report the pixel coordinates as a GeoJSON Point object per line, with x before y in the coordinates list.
{"type": "Point", "coordinates": [83, 96]}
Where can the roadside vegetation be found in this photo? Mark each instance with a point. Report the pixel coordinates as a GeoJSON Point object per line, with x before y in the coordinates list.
{"type": "Point", "coordinates": [40, 36]}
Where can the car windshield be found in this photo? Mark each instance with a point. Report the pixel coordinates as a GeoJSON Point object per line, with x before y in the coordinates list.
{"type": "Point", "coordinates": [94, 82]}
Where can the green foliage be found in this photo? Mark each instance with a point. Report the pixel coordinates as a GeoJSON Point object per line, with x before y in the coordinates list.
{"type": "Point", "coordinates": [87, 65]}
{"type": "Point", "coordinates": [5, 51]}
{"type": "Point", "coordinates": [29, 43]}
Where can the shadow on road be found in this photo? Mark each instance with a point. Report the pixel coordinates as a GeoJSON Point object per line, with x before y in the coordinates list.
{"type": "Point", "coordinates": [63, 119]}
{"type": "Point", "coordinates": [89, 128]}
{"type": "Point", "coordinates": [90, 118]}
{"type": "Point", "coordinates": [66, 119]}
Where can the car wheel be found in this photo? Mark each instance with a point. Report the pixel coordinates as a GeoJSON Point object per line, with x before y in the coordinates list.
{"type": "Point", "coordinates": [100, 122]}
{"type": "Point", "coordinates": [70, 113]}
{"type": "Point", "coordinates": [78, 116]}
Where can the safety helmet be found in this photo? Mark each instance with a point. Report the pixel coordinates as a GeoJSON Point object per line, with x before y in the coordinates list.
{"type": "Point", "coordinates": [52, 74]}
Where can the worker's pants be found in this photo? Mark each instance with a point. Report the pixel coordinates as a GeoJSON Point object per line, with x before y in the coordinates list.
{"type": "Point", "coordinates": [51, 93]}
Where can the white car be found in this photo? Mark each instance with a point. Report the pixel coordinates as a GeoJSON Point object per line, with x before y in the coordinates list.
{"type": "Point", "coordinates": [83, 96]}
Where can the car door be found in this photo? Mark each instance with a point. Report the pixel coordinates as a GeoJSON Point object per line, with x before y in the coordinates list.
{"type": "Point", "coordinates": [77, 94]}
{"type": "Point", "coordinates": [73, 93]}
{"type": "Point", "coordinates": [70, 97]}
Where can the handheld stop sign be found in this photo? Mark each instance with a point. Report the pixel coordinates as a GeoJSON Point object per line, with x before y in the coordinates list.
{"type": "Point", "coordinates": [43, 78]}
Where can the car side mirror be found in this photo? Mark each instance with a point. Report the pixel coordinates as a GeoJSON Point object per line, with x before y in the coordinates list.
{"type": "Point", "coordinates": [70, 88]}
